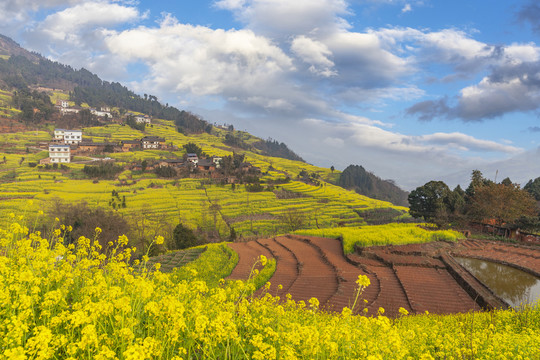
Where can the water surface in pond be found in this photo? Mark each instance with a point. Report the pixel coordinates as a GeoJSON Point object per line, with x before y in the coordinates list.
{"type": "Point", "coordinates": [514, 286]}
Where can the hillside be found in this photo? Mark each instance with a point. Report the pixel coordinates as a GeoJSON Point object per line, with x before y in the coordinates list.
{"type": "Point", "coordinates": [356, 178]}
{"type": "Point", "coordinates": [258, 206]}
{"type": "Point", "coordinates": [266, 189]}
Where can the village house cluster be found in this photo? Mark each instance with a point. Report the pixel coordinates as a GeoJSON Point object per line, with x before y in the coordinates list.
{"type": "Point", "coordinates": [104, 112]}
{"type": "Point", "coordinates": [67, 143]}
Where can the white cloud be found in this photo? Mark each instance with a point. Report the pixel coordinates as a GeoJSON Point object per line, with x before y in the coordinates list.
{"type": "Point", "coordinates": [202, 61]}
{"type": "Point", "coordinates": [297, 60]}
{"type": "Point", "coordinates": [230, 4]}
{"type": "Point", "coordinates": [284, 18]}
{"type": "Point", "coordinates": [491, 99]}
{"type": "Point", "coordinates": [69, 23]}
{"type": "Point", "coordinates": [315, 54]}
{"type": "Point", "coordinates": [17, 14]}
{"type": "Point", "coordinates": [467, 143]}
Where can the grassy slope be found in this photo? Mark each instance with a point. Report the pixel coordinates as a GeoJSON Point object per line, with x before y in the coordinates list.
{"type": "Point", "coordinates": [185, 200]}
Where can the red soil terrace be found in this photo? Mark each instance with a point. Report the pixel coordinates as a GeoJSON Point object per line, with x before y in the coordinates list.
{"type": "Point", "coordinates": [416, 277]}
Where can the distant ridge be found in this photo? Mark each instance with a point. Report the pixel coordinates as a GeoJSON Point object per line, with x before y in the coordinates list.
{"type": "Point", "coordinates": [356, 178]}
{"type": "Point", "coordinates": [8, 47]}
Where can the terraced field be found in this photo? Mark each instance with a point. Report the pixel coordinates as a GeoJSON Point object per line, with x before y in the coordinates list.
{"type": "Point", "coordinates": [175, 259]}
{"type": "Point", "coordinates": [170, 201]}
{"type": "Point", "coordinates": [415, 277]}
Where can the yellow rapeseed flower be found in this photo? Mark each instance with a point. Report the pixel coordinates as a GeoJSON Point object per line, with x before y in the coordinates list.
{"type": "Point", "coordinates": [159, 240]}
{"type": "Point", "coordinates": [363, 281]}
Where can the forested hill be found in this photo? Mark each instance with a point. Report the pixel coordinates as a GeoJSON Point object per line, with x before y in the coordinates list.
{"type": "Point", "coordinates": [356, 178]}
{"type": "Point", "coordinates": [20, 69]}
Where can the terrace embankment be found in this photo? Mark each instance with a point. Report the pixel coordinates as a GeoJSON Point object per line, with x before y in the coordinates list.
{"type": "Point", "coordinates": [416, 277]}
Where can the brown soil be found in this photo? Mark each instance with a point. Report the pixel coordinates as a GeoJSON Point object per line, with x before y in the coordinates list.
{"type": "Point", "coordinates": [416, 277]}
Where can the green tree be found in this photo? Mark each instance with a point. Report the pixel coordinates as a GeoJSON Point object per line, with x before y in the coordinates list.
{"type": "Point", "coordinates": [192, 148]}
{"type": "Point", "coordinates": [533, 187]}
{"type": "Point", "coordinates": [456, 202]}
{"type": "Point", "coordinates": [430, 202]}
{"type": "Point", "coordinates": [477, 180]}
{"type": "Point", "coordinates": [503, 203]}
{"type": "Point", "coordinates": [183, 237]}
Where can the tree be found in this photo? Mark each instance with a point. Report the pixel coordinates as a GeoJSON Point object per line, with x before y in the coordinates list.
{"type": "Point", "coordinates": [332, 168]}
{"type": "Point", "coordinates": [477, 180]}
{"type": "Point", "coordinates": [292, 219]}
{"type": "Point", "coordinates": [183, 237]}
{"type": "Point", "coordinates": [84, 220]}
{"type": "Point", "coordinates": [456, 203]}
{"type": "Point", "coordinates": [533, 187]}
{"type": "Point", "coordinates": [502, 203]}
{"type": "Point", "coordinates": [430, 202]}
{"type": "Point", "coordinates": [192, 148]}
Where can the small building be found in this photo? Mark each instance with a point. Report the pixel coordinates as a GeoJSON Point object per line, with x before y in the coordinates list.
{"type": "Point", "coordinates": [68, 136]}
{"type": "Point", "coordinates": [62, 104]}
{"type": "Point", "coordinates": [97, 147]}
{"type": "Point", "coordinates": [59, 134]}
{"type": "Point", "coordinates": [217, 161]}
{"type": "Point", "coordinates": [152, 142]}
{"type": "Point", "coordinates": [192, 158]}
{"type": "Point", "coordinates": [128, 145]}
{"type": "Point", "coordinates": [139, 119]}
{"type": "Point", "coordinates": [59, 153]}
{"type": "Point", "coordinates": [206, 165]}
{"type": "Point", "coordinates": [70, 110]}
{"type": "Point", "coordinates": [100, 113]}
{"type": "Point", "coordinates": [72, 136]}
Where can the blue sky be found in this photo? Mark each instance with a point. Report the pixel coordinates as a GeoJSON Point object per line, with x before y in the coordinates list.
{"type": "Point", "coordinates": [413, 90]}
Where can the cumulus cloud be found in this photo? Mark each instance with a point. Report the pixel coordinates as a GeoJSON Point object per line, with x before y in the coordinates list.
{"type": "Point", "coordinates": [468, 143]}
{"type": "Point", "coordinates": [75, 35]}
{"type": "Point", "coordinates": [16, 14]}
{"type": "Point", "coordinates": [184, 59]}
{"type": "Point", "coordinates": [69, 23]}
{"type": "Point", "coordinates": [315, 54]}
{"type": "Point", "coordinates": [512, 85]}
{"type": "Point", "coordinates": [530, 13]}
{"type": "Point", "coordinates": [280, 19]}
{"type": "Point", "coordinates": [300, 65]}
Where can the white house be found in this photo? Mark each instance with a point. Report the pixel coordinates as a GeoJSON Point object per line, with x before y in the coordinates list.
{"type": "Point", "coordinates": [193, 158]}
{"type": "Point", "coordinates": [62, 103]}
{"type": "Point", "coordinates": [143, 119]}
{"type": "Point", "coordinates": [100, 113]}
{"type": "Point", "coordinates": [152, 142]}
{"type": "Point", "coordinates": [59, 153]}
{"type": "Point", "coordinates": [217, 161]}
{"type": "Point", "coordinates": [71, 110]}
{"type": "Point", "coordinates": [68, 136]}
{"type": "Point", "coordinates": [59, 134]}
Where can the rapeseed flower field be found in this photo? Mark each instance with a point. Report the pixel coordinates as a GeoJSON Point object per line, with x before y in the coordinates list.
{"type": "Point", "coordinates": [79, 301]}
{"type": "Point", "coordinates": [388, 234]}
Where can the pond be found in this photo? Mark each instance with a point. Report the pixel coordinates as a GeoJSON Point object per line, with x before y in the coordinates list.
{"type": "Point", "coordinates": [514, 286]}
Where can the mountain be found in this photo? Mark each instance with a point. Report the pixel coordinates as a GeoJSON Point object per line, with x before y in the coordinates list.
{"type": "Point", "coordinates": [8, 48]}
{"type": "Point", "coordinates": [32, 79]}
{"type": "Point", "coordinates": [356, 178]}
